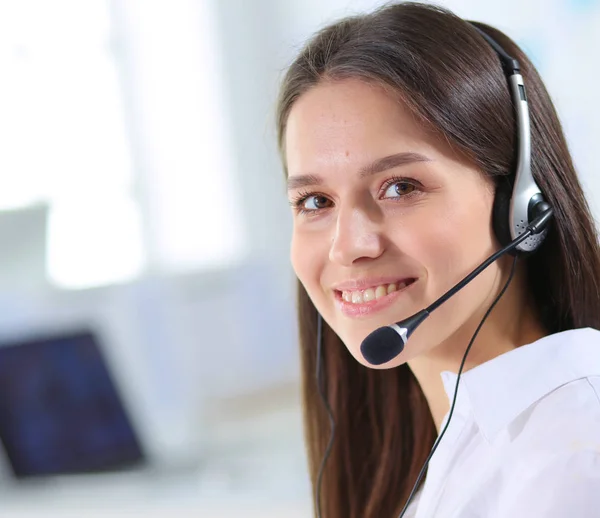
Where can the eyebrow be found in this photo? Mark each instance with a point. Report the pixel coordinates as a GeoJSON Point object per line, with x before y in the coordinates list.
{"type": "Point", "coordinates": [380, 165]}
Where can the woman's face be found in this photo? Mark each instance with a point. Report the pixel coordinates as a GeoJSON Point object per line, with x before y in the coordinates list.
{"type": "Point", "coordinates": [386, 217]}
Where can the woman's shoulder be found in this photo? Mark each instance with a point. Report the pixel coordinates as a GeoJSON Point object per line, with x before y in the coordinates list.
{"type": "Point", "coordinates": [546, 392]}
{"type": "Point", "coordinates": [563, 422]}
{"type": "Point", "coordinates": [552, 463]}
{"type": "Point", "coordinates": [566, 484]}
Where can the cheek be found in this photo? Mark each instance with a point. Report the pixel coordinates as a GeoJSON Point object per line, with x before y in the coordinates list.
{"type": "Point", "coordinates": [306, 259]}
{"type": "Point", "coordinates": [429, 236]}
{"type": "Point", "coordinates": [451, 240]}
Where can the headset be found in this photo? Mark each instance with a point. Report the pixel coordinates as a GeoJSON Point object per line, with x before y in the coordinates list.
{"type": "Point", "coordinates": [520, 219]}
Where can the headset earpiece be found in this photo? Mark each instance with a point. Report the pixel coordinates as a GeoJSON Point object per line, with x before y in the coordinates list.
{"type": "Point", "coordinates": [501, 212]}
{"type": "Point", "coordinates": [518, 200]}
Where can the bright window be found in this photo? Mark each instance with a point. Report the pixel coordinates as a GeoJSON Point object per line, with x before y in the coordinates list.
{"type": "Point", "coordinates": [79, 94]}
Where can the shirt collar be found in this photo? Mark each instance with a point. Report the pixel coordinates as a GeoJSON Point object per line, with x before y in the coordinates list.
{"type": "Point", "coordinates": [497, 391]}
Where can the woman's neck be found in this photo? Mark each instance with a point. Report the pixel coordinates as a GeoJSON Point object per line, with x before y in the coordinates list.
{"type": "Point", "coordinates": [512, 324]}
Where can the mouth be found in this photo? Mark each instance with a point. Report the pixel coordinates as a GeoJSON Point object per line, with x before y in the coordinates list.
{"type": "Point", "coordinates": [358, 303]}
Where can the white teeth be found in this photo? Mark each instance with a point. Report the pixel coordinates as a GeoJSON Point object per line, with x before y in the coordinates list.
{"type": "Point", "coordinates": [369, 294]}
{"type": "Point", "coordinates": [380, 292]}
{"type": "Point", "coordinates": [359, 297]}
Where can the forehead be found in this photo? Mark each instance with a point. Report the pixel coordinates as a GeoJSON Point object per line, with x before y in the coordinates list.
{"type": "Point", "coordinates": [337, 122]}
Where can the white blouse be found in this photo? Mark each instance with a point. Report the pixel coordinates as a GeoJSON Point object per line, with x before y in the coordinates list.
{"type": "Point", "coordinates": [524, 438]}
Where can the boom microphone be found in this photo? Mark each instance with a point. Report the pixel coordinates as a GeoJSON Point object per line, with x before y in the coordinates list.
{"type": "Point", "coordinates": [385, 343]}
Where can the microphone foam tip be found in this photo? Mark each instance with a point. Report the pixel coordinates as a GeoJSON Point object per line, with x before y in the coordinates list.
{"type": "Point", "coordinates": [381, 346]}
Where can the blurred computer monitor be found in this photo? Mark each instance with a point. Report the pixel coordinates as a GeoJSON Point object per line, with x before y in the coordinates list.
{"type": "Point", "coordinates": [60, 411]}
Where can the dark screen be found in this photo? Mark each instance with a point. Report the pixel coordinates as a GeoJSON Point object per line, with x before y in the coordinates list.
{"type": "Point", "coordinates": [60, 411]}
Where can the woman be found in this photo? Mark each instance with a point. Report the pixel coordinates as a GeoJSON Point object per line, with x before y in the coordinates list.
{"type": "Point", "coordinates": [397, 133]}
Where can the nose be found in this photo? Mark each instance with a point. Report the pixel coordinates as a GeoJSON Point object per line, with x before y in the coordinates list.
{"type": "Point", "coordinates": [357, 236]}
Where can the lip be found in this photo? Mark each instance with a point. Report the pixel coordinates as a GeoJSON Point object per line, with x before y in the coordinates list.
{"type": "Point", "coordinates": [369, 282]}
{"type": "Point", "coordinates": [368, 308]}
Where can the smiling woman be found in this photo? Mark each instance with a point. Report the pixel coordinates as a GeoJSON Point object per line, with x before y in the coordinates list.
{"type": "Point", "coordinates": [397, 135]}
{"type": "Point", "coordinates": [394, 204]}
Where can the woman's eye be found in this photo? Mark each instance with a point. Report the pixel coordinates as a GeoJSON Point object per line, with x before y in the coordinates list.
{"type": "Point", "coordinates": [315, 202]}
{"type": "Point", "coordinates": [306, 203]}
{"type": "Point", "coordinates": [398, 189]}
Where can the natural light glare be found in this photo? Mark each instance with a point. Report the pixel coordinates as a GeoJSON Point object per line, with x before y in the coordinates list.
{"type": "Point", "coordinates": [94, 242]}
{"type": "Point", "coordinates": [62, 121]}
{"type": "Point", "coordinates": [71, 81]}
{"type": "Point", "coordinates": [192, 195]}
{"type": "Point", "coordinates": [63, 132]}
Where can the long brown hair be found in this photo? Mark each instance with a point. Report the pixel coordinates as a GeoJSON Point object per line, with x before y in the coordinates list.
{"type": "Point", "coordinates": [451, 79]}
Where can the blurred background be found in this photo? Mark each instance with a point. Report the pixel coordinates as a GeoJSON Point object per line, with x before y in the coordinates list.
{"type": "Point", "coordinates": [148, 354]}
